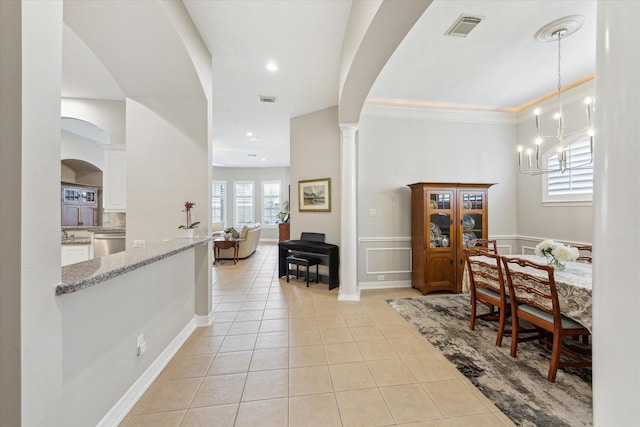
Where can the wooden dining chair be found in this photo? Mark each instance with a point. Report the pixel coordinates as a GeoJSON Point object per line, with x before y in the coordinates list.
{"type": "Point", "coordinates": [488, 245]}
{"type": "Point", "coordinates": [584, 257]}
{"type": "Point", "coordinates": [534, 298]}
{"type": "Point", "coordinates": [487, 287]}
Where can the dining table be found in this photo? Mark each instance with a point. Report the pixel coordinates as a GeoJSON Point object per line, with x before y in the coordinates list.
{"type": "Point", "coordinates": [573, 283]}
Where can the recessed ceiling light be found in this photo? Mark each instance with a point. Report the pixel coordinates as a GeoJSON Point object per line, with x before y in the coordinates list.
{"type": "Point", "coordinates": [249, 134]}
{"type": "Point", "coordinates": [263, 159]}
{"type": "Point", "coordinates": [272, 67]}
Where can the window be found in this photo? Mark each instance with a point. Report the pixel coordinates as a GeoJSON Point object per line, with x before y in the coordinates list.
{"type": "Point", "coordinates": [218, 201]}
{"type": "Point", "coordinates": [270, 202]}
{"type": "Point", "coordinates": [574, 185]}
{"type": "Point", "coordinates": [244, 202]}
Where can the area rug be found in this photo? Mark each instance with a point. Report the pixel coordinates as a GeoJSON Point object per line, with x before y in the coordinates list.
{"type": "Point", "coordinates": [518, 386]}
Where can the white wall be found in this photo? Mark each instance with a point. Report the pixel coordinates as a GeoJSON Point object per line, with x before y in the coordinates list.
{"type": "Point", "coordinates": [257, 175]}
{"type": "Point", "coordinates": [100, 326]}
{"type": "Point", "coordinates": [76, 147]}
{"type": "Point", "coordinates": [41, 347]}
{"type": "Point", "coordinates": [399, 146]}
{"type": "Point", "coordinates": [566, 222]}
{"type": "Point", "coordinates": [616, 277]}
{"type": "Point", "coordinates": [167, 165]}
{"type": "Point", "coordinates": [107, 115]}
{"type": "Point", "coordinates": [315, 154]}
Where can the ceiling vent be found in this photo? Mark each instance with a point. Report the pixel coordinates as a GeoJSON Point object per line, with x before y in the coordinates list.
{"type": "Point", "coordinates": [265, 98]}
{"type": "Point", "coordinates": [463, 26]}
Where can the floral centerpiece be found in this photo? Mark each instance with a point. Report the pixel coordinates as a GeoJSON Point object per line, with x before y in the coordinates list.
{"type": "Point", "coordinates": [190, 225]}
{"type": "Point", "coordinates": [556, 253]}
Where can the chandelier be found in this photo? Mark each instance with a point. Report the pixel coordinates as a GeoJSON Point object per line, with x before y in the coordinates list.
{"type": "Point", "coordinates": [556, 31]}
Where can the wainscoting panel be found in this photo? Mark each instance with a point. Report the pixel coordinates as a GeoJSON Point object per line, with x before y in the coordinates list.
{"type": "Point", "coordinates": [388, 260]}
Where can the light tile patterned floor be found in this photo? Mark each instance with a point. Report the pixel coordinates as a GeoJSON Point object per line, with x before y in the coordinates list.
{"type": "Point", "coordinates": [282, 354]}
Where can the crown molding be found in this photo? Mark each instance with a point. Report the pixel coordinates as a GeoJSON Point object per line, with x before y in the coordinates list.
{"type": "Point", "coordinates": [399, 110]}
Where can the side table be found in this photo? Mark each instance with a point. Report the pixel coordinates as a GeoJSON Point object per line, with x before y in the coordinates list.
{"type": "Point", "coordinates": [225, 244]}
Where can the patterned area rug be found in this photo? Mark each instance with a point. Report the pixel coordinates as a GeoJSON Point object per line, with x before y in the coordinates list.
{"type": "Point", "coordinates": [518, 386]}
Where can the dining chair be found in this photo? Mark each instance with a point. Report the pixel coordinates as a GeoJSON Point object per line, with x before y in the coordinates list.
{"type": "Point", "coordinates": [488, 245]}
{"type": "Point", "coordinates": [487, 287]}
{"type": "Point", "coordinates": [534, 299]}
{"type": "Point", "coordinates": [583, 256]}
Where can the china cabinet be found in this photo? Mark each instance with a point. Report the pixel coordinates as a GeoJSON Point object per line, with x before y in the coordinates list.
{"type": "Point", "coordinates": [444, 217]}
{"type": "Point", "coordinates": [79, 205]}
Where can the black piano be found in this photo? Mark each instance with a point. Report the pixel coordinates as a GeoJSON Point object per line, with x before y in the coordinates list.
{"type": "Point", "coordinates": [325, 250]}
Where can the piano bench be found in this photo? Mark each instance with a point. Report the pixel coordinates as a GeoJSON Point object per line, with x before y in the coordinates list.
{"type": "Point", "coordinates": [306, 261]}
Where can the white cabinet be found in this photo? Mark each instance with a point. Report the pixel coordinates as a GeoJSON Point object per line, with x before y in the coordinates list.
{"type": "Point", "coordinates": [114, 179]}
{"type": "Point", "coordinates": [75, 253]}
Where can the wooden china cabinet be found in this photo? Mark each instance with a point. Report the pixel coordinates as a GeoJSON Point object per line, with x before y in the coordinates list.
{"type": "Point", "coordinates": [444, 217]}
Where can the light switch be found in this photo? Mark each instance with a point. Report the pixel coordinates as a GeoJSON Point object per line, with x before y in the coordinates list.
{"type": "Point", "coordinates": [372, 212]}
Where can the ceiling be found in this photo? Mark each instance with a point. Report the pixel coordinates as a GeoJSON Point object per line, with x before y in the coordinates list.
{"type": "Point", "coordinates": [498, 66]}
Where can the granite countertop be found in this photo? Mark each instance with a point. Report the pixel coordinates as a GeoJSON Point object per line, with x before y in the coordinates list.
{"type": "Point", "coordinates": [76, 241]}
{"type": "Point", "coordinates": [97, 229]}
{"type": "Point", "coordinates": [76, 277]}
{"type": "Point", "coordinates": [85, 234]}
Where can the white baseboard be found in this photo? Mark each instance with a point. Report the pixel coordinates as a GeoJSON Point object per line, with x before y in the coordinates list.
{"type": "Point", "coordinates": [203, 321]}
{"type": "Point", "coordinates": [344, 297]}
{"type": "Point", "coordinates": [385, 284]}
{"type": "Point", "coordinates": [116, 414]}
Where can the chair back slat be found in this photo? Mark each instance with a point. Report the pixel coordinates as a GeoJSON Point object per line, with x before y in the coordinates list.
{"type": "Point", "coordinates": [533, 284]}
{"type": "Point", "coordinates": [585, 253]}
{"type": "Point", "coordinates": [485, 270]}
{"type": "Point", "coordinates": [488, 245]}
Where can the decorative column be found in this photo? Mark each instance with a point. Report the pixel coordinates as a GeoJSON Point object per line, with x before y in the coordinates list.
{"type": "Point", "coordinates": [616, 209]}
{"type": "Point", "coordinates": [349, 290]}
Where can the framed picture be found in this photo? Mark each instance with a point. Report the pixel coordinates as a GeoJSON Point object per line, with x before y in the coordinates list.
{"type": "Point", "coordinates": [314, 195]}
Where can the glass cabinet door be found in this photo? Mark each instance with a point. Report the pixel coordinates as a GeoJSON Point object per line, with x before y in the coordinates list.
{"type": "Point", "coordinates": [439, 213]}
{"type": "Point", "coordinates": [473, 221]}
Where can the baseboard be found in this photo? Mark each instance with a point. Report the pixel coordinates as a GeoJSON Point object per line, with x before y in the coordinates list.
{"type": "Point", "coordinates": [204, 321]}
{"type": "Point", "coordinates": [344, 297]}
{"type": "Point", "coordinates": [116, 414]}
{"type": "Point", "coordinates": [385, 284]}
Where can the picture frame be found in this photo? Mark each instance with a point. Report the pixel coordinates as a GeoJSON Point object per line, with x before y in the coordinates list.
{"type": "Point", "coordinates": [314, 195]}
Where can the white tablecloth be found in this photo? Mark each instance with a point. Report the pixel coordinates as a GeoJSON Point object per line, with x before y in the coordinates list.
{"type": "Point", "coordinates": [573, 285]}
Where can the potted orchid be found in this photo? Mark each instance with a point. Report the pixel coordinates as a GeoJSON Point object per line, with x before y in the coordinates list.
{"type": "Point", "coordinates": [556, 253]}
{"type": "Point", "coordinates": [190, 225]}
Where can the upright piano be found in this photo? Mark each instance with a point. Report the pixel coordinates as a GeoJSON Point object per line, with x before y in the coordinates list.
{"type": "Point", "coordinates": [326, 251]}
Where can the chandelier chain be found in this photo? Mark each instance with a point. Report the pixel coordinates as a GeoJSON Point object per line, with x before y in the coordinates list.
{"type": "Point", "coordinates": [559, 35]}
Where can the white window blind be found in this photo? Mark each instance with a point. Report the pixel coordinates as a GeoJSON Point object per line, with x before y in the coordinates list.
{"type": "Point", "coordinates": [244, 202]}
{"type": "Point", "coordinates": [218, 201]}
{"type": "Point", "coordinates": [574, 184]}
{"type": "Point", "coordinates": [270, 202]}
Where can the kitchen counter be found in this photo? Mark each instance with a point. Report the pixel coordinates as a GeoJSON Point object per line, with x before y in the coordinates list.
{"type": "Point", "coordinates": [82, 275]}
{"type": "Point", "coordinates": [83, 235]}
{"type": "Point", "coordinates": [76, 241]}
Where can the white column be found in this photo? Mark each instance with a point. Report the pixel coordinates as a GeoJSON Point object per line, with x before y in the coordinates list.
{"type": "Point", "coordinates": [616, 277]}
{"type": "Point", "coordinates": [349, 290]}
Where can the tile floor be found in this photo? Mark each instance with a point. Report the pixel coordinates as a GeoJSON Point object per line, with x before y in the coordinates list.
{"type": "Point", "coordinates": [282, 354]}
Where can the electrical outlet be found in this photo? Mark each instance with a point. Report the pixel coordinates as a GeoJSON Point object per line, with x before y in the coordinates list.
{"type": "Point", "coordinates": [381, 277]}
{"type": "Point", "coordinates": [139, 243]}
{"type": "Point", "coordinates": [372, 212]}
{"type": "Point", "coordinates": [141, 345]}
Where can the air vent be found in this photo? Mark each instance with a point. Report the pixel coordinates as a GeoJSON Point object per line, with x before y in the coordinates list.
{"type": "Point", "coordinates": [265, 98]}
{"type": "Point", "coordinates": [251, 155]}
{"type": "Point", "coordinates": [463, 26]}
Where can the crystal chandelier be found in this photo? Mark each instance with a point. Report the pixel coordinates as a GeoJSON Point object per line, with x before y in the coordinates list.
{"type": "Point", "coordinates": [556, 31]}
